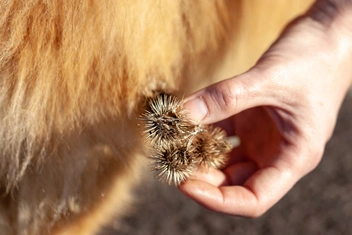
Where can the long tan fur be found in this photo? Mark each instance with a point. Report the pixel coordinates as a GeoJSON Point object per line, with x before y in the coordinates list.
{"type": "Point", "coordinates": [73, 75]}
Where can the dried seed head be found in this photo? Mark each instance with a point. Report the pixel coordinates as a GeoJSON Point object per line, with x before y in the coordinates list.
{"type": "Point", "coordinates": [173, 164]}
{"type": "Point", "coordinates": [165, 120]}
{"type": "Point", "coordinates": [178, 147]}
{"type": "Point", "coordinates": [210, 148]}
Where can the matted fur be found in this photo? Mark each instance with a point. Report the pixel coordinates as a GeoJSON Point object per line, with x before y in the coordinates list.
{"type": "Point", "coordinates": [73, 75]}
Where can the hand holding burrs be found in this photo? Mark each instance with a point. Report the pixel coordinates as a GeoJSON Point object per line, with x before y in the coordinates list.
{"type": "Point", "coordinates": [178, 147]}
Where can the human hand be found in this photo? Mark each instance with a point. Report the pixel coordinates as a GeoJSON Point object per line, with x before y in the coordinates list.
{"type": "Point", "coordinates": [284, 110]}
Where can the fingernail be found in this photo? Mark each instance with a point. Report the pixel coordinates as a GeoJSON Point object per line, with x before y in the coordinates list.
{"type": "Point", "coordinates": [196, 108]}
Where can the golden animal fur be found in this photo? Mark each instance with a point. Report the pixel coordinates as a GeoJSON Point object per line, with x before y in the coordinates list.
{"type": "Point", "coordinates": [73, 76]}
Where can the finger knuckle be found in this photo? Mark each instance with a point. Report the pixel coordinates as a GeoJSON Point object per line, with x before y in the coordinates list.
{"type": "Point", "coordinates": [315, 157]}
{"type": "Point", "coordinates": [258, 212]}
{"type": "Point", "coordinates": [227, 95]}
{"type": "Point", "coordinates": [257, 208]}
{"type": "Point", "coordinates": [310, 161]}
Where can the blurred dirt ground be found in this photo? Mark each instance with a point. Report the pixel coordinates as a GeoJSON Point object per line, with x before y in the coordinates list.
{"type": "Point", "coordinates": [321, 203]}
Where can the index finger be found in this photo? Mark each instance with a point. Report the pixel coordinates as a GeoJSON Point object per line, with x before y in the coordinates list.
{"type": "Point", "coordinates": [259, 193]}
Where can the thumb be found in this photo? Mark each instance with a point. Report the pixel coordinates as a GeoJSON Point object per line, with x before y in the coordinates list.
{"type": "Point", "coordinates": [226, 98]}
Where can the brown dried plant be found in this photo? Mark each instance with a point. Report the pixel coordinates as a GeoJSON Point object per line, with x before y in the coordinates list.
{"type": "Point", "coordinates": [179, 147]}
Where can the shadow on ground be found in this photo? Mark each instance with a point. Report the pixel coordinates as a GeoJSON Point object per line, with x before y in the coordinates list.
{"type": "Point", "coordinates": [321, 203]}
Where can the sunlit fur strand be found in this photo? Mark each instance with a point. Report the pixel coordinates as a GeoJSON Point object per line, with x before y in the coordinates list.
{"type": "Point", "coordinates": [71, 70]}
{"type": "Point", "coordinates": [75, 77]}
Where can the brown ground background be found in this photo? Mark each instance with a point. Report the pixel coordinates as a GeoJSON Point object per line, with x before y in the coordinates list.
{"type": "Point", "coordinates": [321, 203]}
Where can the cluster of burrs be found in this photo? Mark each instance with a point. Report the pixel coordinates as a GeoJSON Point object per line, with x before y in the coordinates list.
{"type": "Point", "coordinates": [178, 147]}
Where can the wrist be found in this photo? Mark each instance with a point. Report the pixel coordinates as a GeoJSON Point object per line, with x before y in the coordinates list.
{"type": "Point", "coordinates": [334, 17]}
